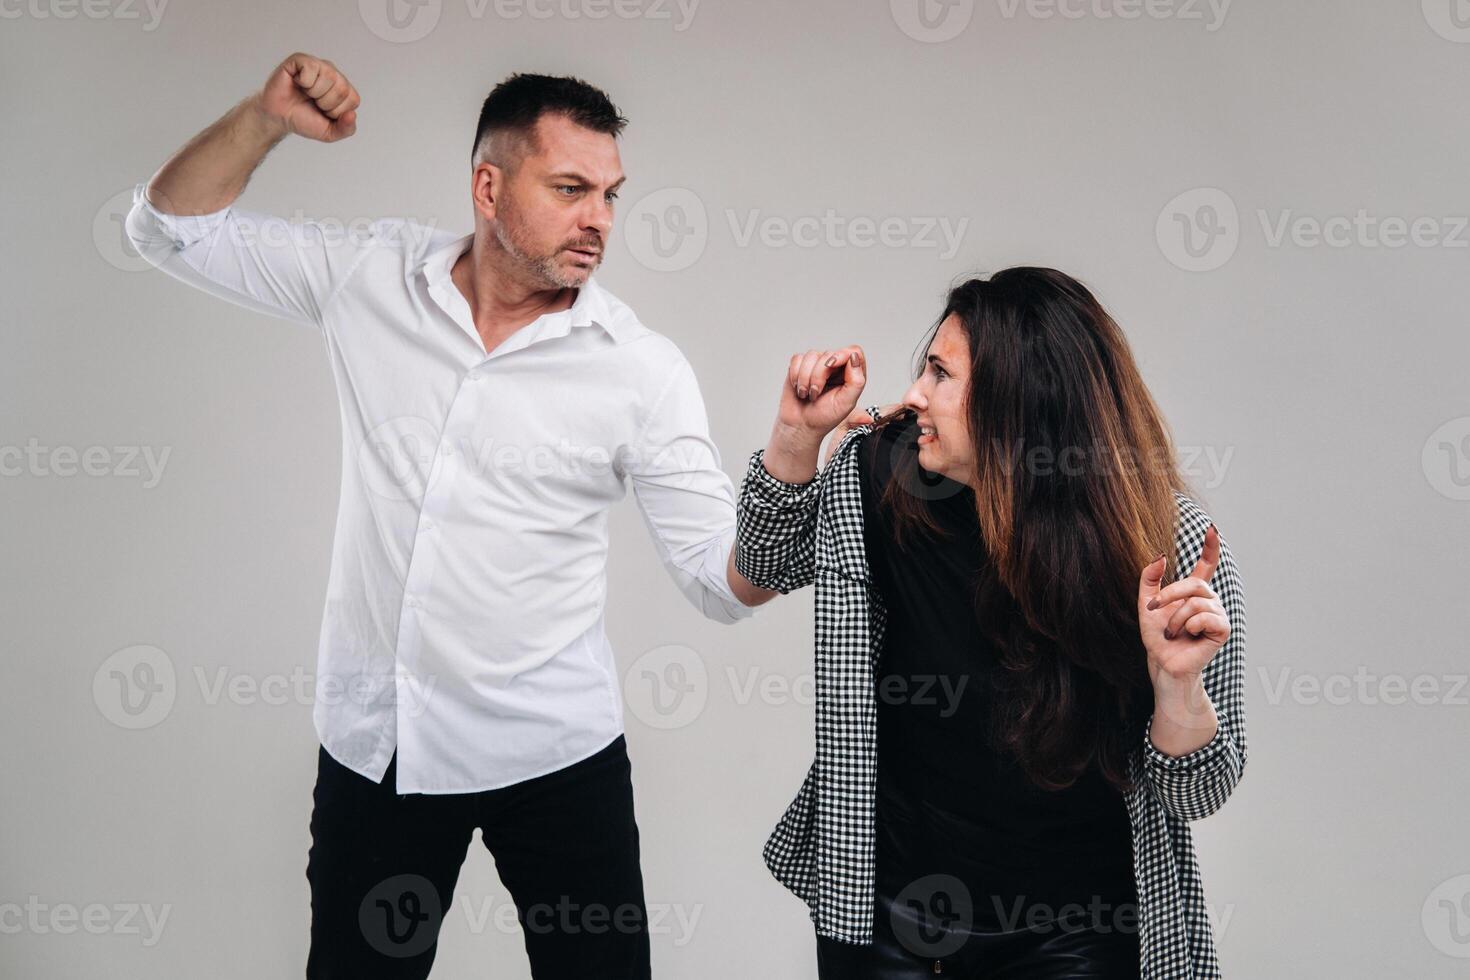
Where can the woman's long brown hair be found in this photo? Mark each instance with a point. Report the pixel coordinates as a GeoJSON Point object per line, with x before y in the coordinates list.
{"type": "Point", "coordinates": [1075, 485]}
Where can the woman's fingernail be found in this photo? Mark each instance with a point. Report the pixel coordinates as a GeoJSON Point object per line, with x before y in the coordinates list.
{"type": "Point", "coordinates": [1168, 635]}
{"type": "Point", "coordinates": [800, 392]}
{"type": "Point", "coordinates": [1153, 604]}
{"type": "Point", "coordinates": [831, 360]}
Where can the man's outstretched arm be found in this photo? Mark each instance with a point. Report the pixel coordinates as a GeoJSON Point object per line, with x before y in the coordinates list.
{"type": "Point", "coordinates": [185, 222]}
{"type": "Point", "coordinates": [304, 95]}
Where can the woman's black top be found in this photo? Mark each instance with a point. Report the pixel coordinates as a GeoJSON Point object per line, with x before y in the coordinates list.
{"type": "Point", "coordinates": [948, 803]}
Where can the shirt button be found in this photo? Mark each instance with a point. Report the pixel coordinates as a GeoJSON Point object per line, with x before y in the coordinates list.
{"type": "Point", "coordinates": [446, 450]}
{"type": "Point", "coordinates": [411, 602]}
{"type": "Point", "coordinates": [475, 376]}
{"type": "Point", "coordinates": [427, 526]}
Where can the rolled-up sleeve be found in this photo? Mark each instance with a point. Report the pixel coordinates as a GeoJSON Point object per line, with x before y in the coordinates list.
{"type": "Point", "coordinates": [284, 269]}
{"type": "Point", "coordinates": [776, 529]}
{"type": "Point", "coordinates": [686, 498]}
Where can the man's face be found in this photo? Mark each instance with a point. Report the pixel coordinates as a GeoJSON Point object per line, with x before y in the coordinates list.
{"type": "Point", "coordinates": [554, 211]}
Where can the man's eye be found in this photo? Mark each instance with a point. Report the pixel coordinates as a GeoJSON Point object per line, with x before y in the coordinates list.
{"type": "Point", "coordinates": [612, 195]}
{"type": "Point", "coordinates": [570, 188]}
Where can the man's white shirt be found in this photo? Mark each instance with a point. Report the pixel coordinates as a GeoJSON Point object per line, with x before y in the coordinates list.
{"type": "Point", "coordinates": [464, 616]}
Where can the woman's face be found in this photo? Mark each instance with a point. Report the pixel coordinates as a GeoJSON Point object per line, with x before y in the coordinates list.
{"type": "Point", "coordinates": [938, 398]}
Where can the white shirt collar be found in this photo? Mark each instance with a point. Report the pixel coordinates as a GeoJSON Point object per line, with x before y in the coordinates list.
{"type": "Point", "coordinates": [590, 307]}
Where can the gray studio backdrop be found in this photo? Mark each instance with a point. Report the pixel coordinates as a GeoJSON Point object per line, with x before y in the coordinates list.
{"type": "Point", "coordinates": [1268, 195]}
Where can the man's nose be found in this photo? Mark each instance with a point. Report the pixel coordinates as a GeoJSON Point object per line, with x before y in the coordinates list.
{"type": "Point", "coordinates": [598, 218]}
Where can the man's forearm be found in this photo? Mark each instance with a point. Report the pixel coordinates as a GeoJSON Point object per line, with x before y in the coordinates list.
{"type": "Point", "coordinates": [211, 170]}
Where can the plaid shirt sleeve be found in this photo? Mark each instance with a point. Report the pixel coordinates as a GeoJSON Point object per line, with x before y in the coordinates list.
{"type": "Point", "coordinates": [1195, 785]}
{"type": "Point", "coordinates": [776, 529]}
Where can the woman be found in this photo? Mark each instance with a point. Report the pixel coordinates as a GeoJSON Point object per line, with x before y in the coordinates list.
{"type": "Point", "coordinates": [1021, 703]}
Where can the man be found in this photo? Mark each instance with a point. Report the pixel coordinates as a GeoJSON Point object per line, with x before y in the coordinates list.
{"type": "Point", "coordinates": [494, 398]}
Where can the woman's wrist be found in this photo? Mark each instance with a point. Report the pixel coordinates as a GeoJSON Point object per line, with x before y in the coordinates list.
{"type": "Point", "coordinates": [791, 456]}
{"type": "Point", "coordinates": [1184, 717]}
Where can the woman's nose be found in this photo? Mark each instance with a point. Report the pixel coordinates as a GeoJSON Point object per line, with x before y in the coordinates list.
{"type": "Point", "coordinates": [914, 398]}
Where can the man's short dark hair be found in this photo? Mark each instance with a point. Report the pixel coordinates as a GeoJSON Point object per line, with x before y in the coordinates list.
{"type": "Point", "coordinates": [514, 106]}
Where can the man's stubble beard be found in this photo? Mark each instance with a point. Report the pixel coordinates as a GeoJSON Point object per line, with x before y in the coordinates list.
{"type": "Point", "coordinates": [540, 269]}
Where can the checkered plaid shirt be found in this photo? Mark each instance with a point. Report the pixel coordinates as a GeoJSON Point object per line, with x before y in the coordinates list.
{"type": "Point", "coordinates": [793, 535]}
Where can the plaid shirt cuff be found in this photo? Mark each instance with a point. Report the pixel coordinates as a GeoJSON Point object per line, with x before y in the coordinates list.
{"type": "Point", "coordinates": [1194, 784]}
{"type": "Point", "coordinates": [774, 490]}
{"type": "Point", "coordinates": [1200, 758]}
{"type": "Point", "coordinates": [774, 520]}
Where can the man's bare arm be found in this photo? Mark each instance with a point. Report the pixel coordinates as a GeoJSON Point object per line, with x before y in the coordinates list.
{"type": "Point", "coordinates": [304, 95]}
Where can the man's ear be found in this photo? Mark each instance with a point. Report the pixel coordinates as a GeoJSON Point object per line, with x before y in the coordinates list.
{"type": "Point", "coordinates": [487, 183]}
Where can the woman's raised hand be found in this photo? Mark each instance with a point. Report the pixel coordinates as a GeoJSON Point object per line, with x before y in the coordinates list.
{"type": "Point", "coordinates": [822, 388]}
{"type": "Point", "coordinates": [1183, 624]}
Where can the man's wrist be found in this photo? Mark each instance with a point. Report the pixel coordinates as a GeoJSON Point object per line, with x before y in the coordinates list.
{"type": "Point", "coordinates": [263, 125]}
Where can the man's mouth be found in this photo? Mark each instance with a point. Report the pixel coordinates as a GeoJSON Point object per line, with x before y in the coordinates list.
{"type": "Point", "coordinates": [591, 254]}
